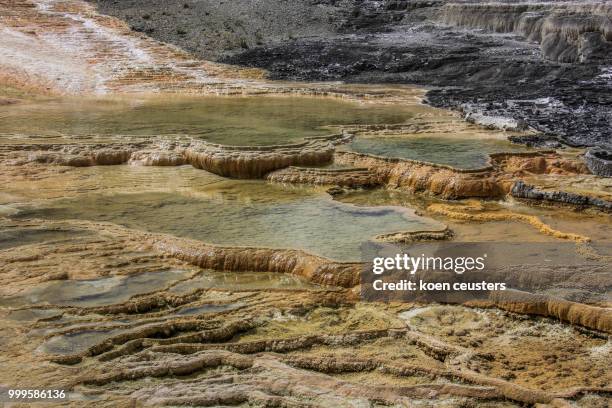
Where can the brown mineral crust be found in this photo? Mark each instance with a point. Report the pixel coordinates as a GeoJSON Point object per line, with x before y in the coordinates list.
{"type": "Point", "coordinates": [415, 176]}
{"type": "Point", "coordinates": [176, 366]}
{"type": "Point", "coordinates": [266, 367]}
{"type": "Point", "coordinates": [129, 348]}
{"type": "Point", "coordinates": [256, 161]}
{"type": "Point", "coordinates": [279, 163]}
{"type": "Point", "coordinates": [229, 161]}
{"type": "Point", "coordinates": [164, 329]}
{"type": "Point", "coordinates": [329, 364]}
{"type": "Point", "coordinates": [144, 304]}
{"type": "Point", "coordinates": [263, 379]}
{"type": "Point", "coordinates": [80, 155]}
{"type": "Point", "coordinates": [475, 213]}
{"type": "Point", "coordinates": [160, 350]}
{"type": "Point", "coordinates": [88, 255]}
{"type": "Point", "coordinates": [283, 345]}
{"type": "Point", "coordinates": [486, 387]}
{"type": "Point", "coordinates": [351, 178]}
{"type": "Point", "coordinates": [454, 358]}
{"type": "Point", "coordinates": [157, 158]}
{"type": "Point", "coordinates": [316, 269]}
{"type": "Point", "coordinates": [268, 376]}
{"type": "Point", "coordinates": [8, 101]}
{"type": "Point", "coordinates": [592, 317]}
{"type": "Point", "coordinates": [224, 333]}
{"type": "Point", "coordinates": [416, 236]}
{"type": "Point", "coordinates": [543, 162]}
{"type": "Point", "coordinates": [495, 180]}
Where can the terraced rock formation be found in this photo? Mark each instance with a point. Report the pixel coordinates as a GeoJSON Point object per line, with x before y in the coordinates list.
{"type": "Point", "coordinates": [223, 343]}
{"type": "Point", "coordinates": [277, 163]}
{"type": "Point", "coordinates": [566, 31]}
{"type": "Point", "coordinates": [292, 346]}
{"type": "Point", "coordinates": [85, 51]}
{"type": "Point", "coordinates": [230, 161]}
{"type": "Point", "coordinates": [343, 177]}
{"type": "Point", "coordinates": [122, 316]}
{"type": "Point", "coordinates": [255, 162]}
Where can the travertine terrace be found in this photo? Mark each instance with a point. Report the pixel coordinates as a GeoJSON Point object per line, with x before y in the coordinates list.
{"type": "Point", "coordinates": [120, 312]}
{"type": "Point", "coordinates": [566, 31]}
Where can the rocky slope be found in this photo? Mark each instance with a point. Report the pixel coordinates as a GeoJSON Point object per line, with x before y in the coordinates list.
{"type": "Point", "coordinates": [284, 347]}
{"type": "Point", "coordinates": [545, 64]}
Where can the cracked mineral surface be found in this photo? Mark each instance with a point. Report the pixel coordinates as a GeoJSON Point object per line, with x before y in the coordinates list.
{"type": "Point", "coordinates": [179, 232]}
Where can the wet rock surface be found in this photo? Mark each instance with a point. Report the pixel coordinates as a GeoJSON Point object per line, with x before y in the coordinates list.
{"type": "Point", "coordinates": [116, 315]}
{"type": "Point", "coordinates": [525, 191]}
{"type": "Point", "coordinates": [130, 315]}
{"type": "Point", "coordinates": [543, 65]}
{"type": "Point", "coordinates": [281, 163]}
{"type": "Point", "coordinates": [211, 346]}
{"type": "Point", "coordinates": [599, 161]}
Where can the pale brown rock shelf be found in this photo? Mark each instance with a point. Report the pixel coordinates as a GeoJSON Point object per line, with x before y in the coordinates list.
{"type": "Point", "coordinates": [281, 163]}
{"type": "Point", "coordinates": [315, 269]}
{"type": "Point", "coordinates": [257, 347]}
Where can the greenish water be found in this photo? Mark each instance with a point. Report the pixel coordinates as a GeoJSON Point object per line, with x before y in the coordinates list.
{"type": "Point", "coordinates": [25, 315]}
{"type": "Point", "coordinates": [243, 280]}
{"type": "Point", "coordinates": [75, 342]}
{"type": "Point", "coordinates": [80, 341]}
{"type": "Point", "coordinates": [242, 213]}
{"type": "Point", "coordinates": [255, 120]}
{"type": "Point", "coordinates": [24, 236]}
{"type": "Point", "coordinates": [225, 120]}
{"type": "Point", "coordinates": [457, 152]}
{"type": "Point", "coordinates": [95, 292]}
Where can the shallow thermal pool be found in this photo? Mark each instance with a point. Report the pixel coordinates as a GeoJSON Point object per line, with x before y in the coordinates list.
{"type": "Point", "coordinates": [242, 213]}
{"type": "Point", "coordinates": [252, 120]}
{"type": "Point", "coordinates": [110, 290]}
{"type": "Point", "coordinates": [242, 281]}
{"type": "Point", "coordinates": [96, 292]}
{"type": "Point", "coordinates": [462, 153]}
{"type": "Point", "coordinates": [226, 120]}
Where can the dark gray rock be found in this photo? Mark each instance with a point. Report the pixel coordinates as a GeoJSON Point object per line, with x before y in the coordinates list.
{"type": "Point", "coordinates": [526, 191]}
{"type": "Point", "coordinates": [546, 65]}
{"type": "Point", "coordinates": [599, 161]}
